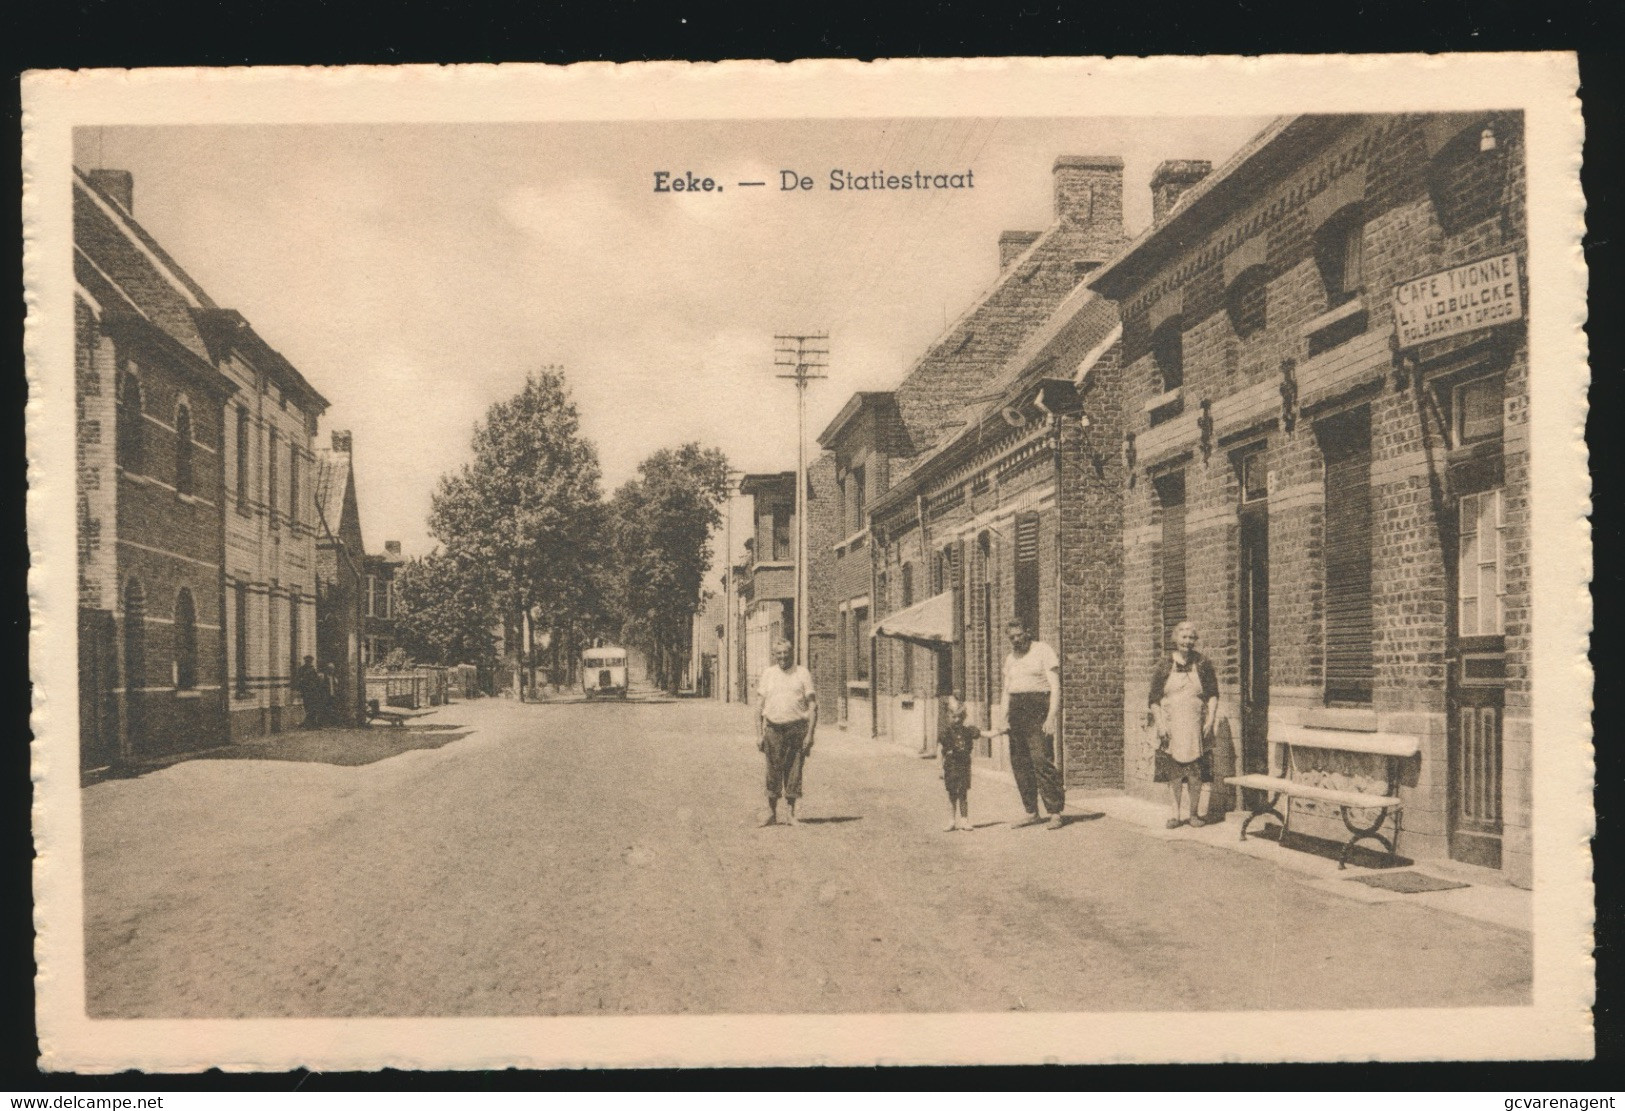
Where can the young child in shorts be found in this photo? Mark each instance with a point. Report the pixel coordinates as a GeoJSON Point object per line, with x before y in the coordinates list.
{"type": "Point", "coordinates": [954, 741]}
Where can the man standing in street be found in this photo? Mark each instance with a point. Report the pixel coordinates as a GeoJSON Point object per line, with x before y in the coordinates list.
{"type": "Point", "coordinates": [1031, 703]}
{"type": "Point", "coordinates": [786, 719]}
{"type": "Point", "coordinates": [308, 683]}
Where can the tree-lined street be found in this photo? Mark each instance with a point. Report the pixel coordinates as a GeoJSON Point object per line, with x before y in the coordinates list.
{"type": "Point", "coordinates": [569, 859]}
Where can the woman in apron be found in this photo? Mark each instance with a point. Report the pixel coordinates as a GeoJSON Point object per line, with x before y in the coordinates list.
{"type": "Point", "coordinates": [1184, 703]}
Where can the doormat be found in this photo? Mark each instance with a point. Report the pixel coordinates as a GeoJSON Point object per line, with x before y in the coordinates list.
{"type": "Point", "coordinates": [1407, 883]}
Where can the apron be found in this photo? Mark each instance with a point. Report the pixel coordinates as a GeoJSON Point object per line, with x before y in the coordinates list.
{"type": "Point", "coordinates": [1182, 710]}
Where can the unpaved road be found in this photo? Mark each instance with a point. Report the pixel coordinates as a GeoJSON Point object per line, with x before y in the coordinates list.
{"type": "Point", "coordinates": [606, 859]}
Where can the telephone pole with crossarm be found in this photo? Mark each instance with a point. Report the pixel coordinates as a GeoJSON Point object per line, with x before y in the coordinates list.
{"type": "Point", "coordinates": [801, 358]}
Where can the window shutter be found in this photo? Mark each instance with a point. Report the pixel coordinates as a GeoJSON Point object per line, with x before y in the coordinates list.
{"type": "Point", "coordinates": [1349, 668]}
{"type": "Point", "coordinates": [1171, 493]}
{"type": "Point", "coordinates": [956, 579]}
{"type": "Point", "coordinates": [1027, 570]}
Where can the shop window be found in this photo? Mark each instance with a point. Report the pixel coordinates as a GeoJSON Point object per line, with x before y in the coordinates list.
{"type": "Point", "coordinates": [183, 450]}
{"type": "Point", "coordinates": [185, 641]}
{"type": "Point", "coordinates": [1346, 444]}
{"type": "Point", "coordinates": [132, 425]}
{"type": "Point", "coordinates": [1482, 581]}
{"type": "Point", "coordinates": [1170, 491]}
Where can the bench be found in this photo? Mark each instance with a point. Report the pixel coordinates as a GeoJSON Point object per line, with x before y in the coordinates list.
{"type": "Point", "coordinates": [1394, 747]}
{"type": "Point", "coordinates": [391, 715]}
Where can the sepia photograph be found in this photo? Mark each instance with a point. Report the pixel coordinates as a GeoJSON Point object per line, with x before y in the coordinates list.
{"type": "Point", "coordinates": [981, 562]}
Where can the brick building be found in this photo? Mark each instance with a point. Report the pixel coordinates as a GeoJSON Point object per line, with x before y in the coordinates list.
{"type": "Point", "coordinates": [339, 576]}
{"type": "Point", "coordinates": [1340, 503]}
{"type": "Point", "coordinates": [934, 416]}
{"type": "Point", "coordinates": [1015, 516]}
{"type": "Point", "coordinates": [150, 490]}
{"type": "Point", "coordinates": [379, 603]}
{"type": "Point", "coordinates": [766, 582]}
{"type": "Point", "coordinates": [271, 525]}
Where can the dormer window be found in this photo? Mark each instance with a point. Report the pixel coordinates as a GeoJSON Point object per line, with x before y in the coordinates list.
{"type": "Point", "coordinates": [1168, 353]}
{"type": "Point", "coordinates": [1340, 251]}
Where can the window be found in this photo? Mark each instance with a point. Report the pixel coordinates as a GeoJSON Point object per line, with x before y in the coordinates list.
{"type": "Point", "coordinates": [908, 649]}
{"type": "Point", "coordinates": [1171, 554]}
{"type": "Point", "coordinates": [293, 482]}
{"type": "Point", "coordinates": [185, 642]}
{"type": "Point", "coordinates": [1252, 476]}
{"type": "Point", "coordinates": [782, 547]}
{"type": "Point", "coordinates": [1482, 586]}
{"type": "Point", "coordinates": [271, 476]}
{"type": "Point", "coordinates": [1476, 411]}
{"type": "Point", "coordinates": [183, 450]}
{"type": "Point", "coordinates": [293, 630]}
{"type": "Point", "coordinates": [372, 596]}
{"type": "Point", "coordinates": [240, 637]}
{"type": "Point", "coordinates": [859, 508]}
{"type": "Point", "coordinates": [132, 425]}
{"type": "Point", "coordinates": [1346, 444]}
{"type": "Point", "coordinates": [1168, 353]}
{"type": "Point", "coordinates": [1340, 251]}
{"type": "Point", "coordinates": [860, 643]}
{"type": "Point", "coordinates": [242, 457]}
{"type": "Point", "coordinates": [1247, 302]}
{"type": "Point", "coordinates": [1027, 571]}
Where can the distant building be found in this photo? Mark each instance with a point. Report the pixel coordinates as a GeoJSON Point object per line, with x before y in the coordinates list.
{"type": "Point", "coordinates": [767, 583]}
{"type": "Point", "coordinates": [340, 575]}
{"type": "Point", "coordinates": [378, 603]}
{"type": "Point", "coordinates": [1327, 365]}
{"type": "Point", "coordinates": [150, 491]}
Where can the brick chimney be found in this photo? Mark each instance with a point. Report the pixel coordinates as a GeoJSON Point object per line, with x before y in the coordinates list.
{"type": "Point", "coordinates": [341, 442]}
{"type": "Point", "coordinates": [1012, 243]}
{"type": "Point", "coordinates": [117, 184]}
{"type": "Point", "coordinates": [1089, 189]}
{"type": "Point", "coordinates": [1171, 180]}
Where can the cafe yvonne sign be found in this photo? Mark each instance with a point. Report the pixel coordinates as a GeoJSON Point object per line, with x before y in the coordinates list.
{"type": "Point", "coordinates": [1461, 299]}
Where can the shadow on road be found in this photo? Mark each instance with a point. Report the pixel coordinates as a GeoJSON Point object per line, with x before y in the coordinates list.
{"type": "Point", "coordinates": [343, 747]}
{"type": "Point", "coordinates": [830, 821]}
{"type": "Point", "coordinates": [1361, 856]}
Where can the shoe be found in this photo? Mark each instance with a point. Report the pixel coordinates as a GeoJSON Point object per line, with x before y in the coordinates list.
{"type": "Point", "coordinates": [1055, 822]}
{"type": "Point", "coordinates": [950, 827]}
{"type": "Point", "coordinates": [1198, 823]}
{"type": "Point", "coordinates": [1174, 823]}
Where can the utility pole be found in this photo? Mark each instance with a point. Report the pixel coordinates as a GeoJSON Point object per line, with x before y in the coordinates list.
{"type": "Point", "coordinates": [802, 362]}
{"type": "Point", "coordinates": [729, 669]}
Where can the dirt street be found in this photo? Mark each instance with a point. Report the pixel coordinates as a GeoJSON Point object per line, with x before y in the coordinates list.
{"type": "Point", "coordinates": [568, 859]}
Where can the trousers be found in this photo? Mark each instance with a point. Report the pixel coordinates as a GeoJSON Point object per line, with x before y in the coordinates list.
{"type": "Point", "coordinates": [1032, 754]}
{"type": "Point", "coordinates": [785, 749]}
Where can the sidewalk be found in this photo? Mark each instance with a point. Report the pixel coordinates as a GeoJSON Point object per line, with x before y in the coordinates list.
{"type": "Point", "coordinates": [1486, 896]}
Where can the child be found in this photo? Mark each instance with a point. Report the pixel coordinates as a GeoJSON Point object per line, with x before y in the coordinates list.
{"type": "Point", "coordinates": [954, 739]}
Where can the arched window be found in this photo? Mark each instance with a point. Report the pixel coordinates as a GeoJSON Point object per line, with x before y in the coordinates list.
{"type": "Point", "coordinates": [183, 449]}
{"type": "Point", "coordinates": [132, 425]}
{"type": "Point", "coordinates": [185, 641]}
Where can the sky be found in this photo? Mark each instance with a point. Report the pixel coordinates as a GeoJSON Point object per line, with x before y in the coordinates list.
{"type": "Point", "coordinates": [415, 274]}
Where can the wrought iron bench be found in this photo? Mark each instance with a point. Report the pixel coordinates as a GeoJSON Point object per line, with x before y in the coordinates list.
{"type": "Point", "coordinates": [1394, 747]}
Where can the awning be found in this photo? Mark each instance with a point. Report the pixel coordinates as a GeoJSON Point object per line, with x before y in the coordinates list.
{"type": "Point", "coordinates": [930, 622]}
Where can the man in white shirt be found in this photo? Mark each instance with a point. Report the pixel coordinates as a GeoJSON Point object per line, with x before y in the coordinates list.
{"type": "Point", "coordinates": [786, 719]}
{"type": "Point", "coordinates": [1031, 700]}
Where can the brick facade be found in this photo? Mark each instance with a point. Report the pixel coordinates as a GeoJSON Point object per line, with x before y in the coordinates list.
{"type": "Point", "coordinates": [1277, 279]}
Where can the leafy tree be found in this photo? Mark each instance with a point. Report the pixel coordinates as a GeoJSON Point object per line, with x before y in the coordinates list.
{"type": "Point", "coordinates": [527, 512]}
{"type": "Point", "coordinates": [448, 611]}
{"type": "Point", "coordinates": [661, 525]}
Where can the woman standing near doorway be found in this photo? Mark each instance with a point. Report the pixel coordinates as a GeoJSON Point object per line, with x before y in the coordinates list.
{"type": "Point", "coordinates": [1184, 702]}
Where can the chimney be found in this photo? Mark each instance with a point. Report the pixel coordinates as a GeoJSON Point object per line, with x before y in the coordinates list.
{"type": "Point", "coordinates": [1089, 190]}
{"type": "Point", "coordinates": [1012, 243]}
{"type": "Point", "coordinates": [341, 442]}
{"type": "Point", "coordinates": [117, 184]}
{"type": "Point", "coordinates": [1171, 180]}
{"type": "Point", "coordinates": [392, 548]}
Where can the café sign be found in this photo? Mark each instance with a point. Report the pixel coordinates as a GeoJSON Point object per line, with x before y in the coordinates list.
{"type": "Point", "coordinates": [1462, 299]}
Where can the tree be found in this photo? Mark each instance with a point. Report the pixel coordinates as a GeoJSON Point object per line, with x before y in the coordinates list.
{"type": "Point", "coordinates": [661, 525]}
{"type": "Point", "coordinates": [527, 513]}
{"type": "Point", "coordinates": [448, 611]}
